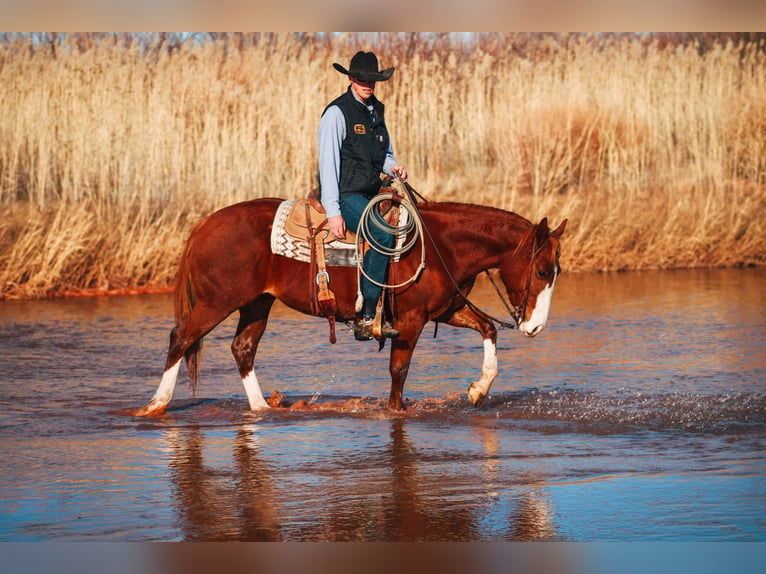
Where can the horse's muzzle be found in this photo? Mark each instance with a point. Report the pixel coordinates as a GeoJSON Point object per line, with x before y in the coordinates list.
{"type": "Point", "coordinates": [531, 330]}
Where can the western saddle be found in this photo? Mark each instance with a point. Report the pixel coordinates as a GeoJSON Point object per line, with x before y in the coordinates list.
{"type": "Point", "coordinates": [305, 224]}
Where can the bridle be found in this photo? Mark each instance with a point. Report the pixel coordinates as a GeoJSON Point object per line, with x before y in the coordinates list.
{"type": "Point", "coordinates": [517, 313]}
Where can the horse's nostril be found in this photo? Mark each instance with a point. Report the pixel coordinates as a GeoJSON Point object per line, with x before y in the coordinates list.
{"type": "Point", "coordinates": [534, 331]}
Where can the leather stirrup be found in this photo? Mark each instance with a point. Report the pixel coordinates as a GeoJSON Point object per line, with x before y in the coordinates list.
{"type": "Point", "coordinates": [377, 322]}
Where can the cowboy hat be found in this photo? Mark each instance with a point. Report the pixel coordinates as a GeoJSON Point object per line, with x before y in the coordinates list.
{"type": "Point", "coordinates": [364, 67]}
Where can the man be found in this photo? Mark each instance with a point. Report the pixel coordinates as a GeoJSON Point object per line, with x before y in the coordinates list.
{"type": "Point", "coordinates": [354, 148]}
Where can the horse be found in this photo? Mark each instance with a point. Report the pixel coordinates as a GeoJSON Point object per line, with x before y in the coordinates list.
{"type": "Point", "coordinates": [228, 265]}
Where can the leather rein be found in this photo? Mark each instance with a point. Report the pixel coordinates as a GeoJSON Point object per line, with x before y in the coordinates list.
{"type": "Point", "coordinates": [516, 313]}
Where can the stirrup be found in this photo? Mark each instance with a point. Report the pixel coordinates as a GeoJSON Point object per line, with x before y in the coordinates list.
{"type": "Point", "coordinates": [363, 330]}
{"type": "Point", "coordinates": [388, 332]}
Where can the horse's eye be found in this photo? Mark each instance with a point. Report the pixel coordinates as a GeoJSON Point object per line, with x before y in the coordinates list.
{"type": "Point", "coordinates": [542, 274]}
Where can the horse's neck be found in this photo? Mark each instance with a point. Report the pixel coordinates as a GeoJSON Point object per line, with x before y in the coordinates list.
{"type": "Point", "coordinates": [478, 237]}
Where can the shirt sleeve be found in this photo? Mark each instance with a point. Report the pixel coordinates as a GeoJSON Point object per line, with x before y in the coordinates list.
{"type": "Point", "coordinates": [390, 160]}
{"type": "Point", "coordinates": [332, 132]}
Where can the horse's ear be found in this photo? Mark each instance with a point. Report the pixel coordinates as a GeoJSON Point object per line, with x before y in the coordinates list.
{"type": "Point", "coordinates": [559, 231]}
{"type": "Point", "coordinates": [541, 231]}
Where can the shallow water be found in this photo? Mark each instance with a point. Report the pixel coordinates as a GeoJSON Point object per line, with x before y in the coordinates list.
{"type": "Point", "coordinates": [639, 414]}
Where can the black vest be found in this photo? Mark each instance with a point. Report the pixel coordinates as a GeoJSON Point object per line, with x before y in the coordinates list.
{"type": "Point", "coordinates": [363, 151]}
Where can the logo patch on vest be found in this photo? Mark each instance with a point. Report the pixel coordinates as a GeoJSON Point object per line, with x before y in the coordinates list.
{"type": "Point", "coordinates": [359, 129]}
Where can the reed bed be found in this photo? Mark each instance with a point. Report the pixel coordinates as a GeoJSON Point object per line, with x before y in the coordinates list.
{"type": "Point", "coordinates": [112, 149]}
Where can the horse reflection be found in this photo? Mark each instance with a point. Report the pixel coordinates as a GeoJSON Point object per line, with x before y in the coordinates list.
{"type": "Point", "coordinates": [398, 495]}
{"type": "Point", "coordinates": [216, 505]}
{"type": "Point", "coordinates": [531, 518]}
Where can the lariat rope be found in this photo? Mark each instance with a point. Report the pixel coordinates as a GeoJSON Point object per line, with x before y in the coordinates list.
{"type": "Point", "coordinates": [371, 219]}
{"type": "Point", "coordinates": [486, 316]}
{"type": "Point", "coordinates": [415, 222]}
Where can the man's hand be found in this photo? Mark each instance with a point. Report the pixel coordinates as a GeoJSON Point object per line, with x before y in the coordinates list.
{"type": "Point", "coordinates": [337, 226]}
{"type": "Point", "coordinates": [400, 172]}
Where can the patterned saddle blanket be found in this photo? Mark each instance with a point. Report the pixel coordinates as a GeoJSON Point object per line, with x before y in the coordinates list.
{"type": "Point", "coordinates": [290, 235]}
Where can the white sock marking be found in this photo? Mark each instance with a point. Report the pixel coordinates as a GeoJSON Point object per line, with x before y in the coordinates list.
{"type": "Point", "coordinates": [488, 369]}
{"type": "Point", "coordinates": [253, 391]}
{"type": "Point", "coordinates": [167, 385]}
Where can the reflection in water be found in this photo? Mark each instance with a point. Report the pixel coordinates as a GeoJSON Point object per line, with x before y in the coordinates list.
{"type": "Point", "coordinates": [257, 499]}
{"type": "Point", "coordinates": [406, 518]}
{"type": "Point", "coordinates": [534, 519]}
{"type": "Point", "coordinates": [531, 518]}
{"type": "Point", "coordinates": [419, 510]}
{"type": "Point", "coordinates": [211, 504]}
{"type": "Point", "coordinates": [215, 501]}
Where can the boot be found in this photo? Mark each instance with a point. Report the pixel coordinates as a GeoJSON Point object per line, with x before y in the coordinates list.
{"type": "Point", "coordinates": [363, 330]}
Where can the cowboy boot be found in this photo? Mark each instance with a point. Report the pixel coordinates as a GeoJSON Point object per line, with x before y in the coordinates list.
{"type": "Point", "coordinates": [363, 330]}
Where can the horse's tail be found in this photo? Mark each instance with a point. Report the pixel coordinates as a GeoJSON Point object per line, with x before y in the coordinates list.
{"type": "Point", "coordinates": [184, 301]}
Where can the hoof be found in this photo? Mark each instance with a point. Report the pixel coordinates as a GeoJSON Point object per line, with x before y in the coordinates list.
{"type": "Point", "coordinates": [151, 410]}
{"type": "Point", "coordinates": [395, 406]}
{"type": "Point", "coordinates": [476, 396]}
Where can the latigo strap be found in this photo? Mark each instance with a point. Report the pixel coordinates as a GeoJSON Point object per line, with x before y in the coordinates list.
{"type": "Point", "coordinates": [322, 298]}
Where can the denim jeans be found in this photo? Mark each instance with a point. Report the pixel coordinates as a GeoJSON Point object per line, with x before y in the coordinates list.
{"type": "Point", "coordinates": [375, 264]}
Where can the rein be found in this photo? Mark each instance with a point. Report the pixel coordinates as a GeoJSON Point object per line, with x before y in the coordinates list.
{"type": "Point", "coordinates": [516, 315]}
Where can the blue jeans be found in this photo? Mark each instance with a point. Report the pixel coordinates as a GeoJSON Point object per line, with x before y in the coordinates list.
{"type": "Point", "coordinates": [375, 264]}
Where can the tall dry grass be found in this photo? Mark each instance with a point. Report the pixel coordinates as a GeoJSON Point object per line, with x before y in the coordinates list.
{"type": "Point", "coordinates": [110, 151]}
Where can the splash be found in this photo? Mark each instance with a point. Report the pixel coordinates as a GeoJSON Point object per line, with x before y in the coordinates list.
{"type": "Point", "coordinates": [696, 412]}
{"type": "Point", "coordinates": [322, 389]}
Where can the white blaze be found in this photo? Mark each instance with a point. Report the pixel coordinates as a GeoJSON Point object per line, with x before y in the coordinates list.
{"type": "Point", "coordinates": [540, 313]}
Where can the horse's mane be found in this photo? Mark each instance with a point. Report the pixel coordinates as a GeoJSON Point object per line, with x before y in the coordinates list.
{"type": "Point", "coordinates": [485, 213]}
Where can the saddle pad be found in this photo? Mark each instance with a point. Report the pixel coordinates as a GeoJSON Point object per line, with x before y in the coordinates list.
{"type": "Point", "coordinates": [295, 247]}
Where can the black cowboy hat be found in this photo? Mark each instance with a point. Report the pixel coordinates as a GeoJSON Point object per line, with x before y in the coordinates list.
{"type": "Point", "coordinates": [364, 67]}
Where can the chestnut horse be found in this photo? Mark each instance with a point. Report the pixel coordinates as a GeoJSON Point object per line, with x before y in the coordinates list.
{"type": "Point", "coordinates": [227, 265]}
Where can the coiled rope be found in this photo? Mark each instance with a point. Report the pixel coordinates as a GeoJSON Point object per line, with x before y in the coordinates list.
{"type": "Point", "coordinates": [415, 221]}
{"type": "Point", "coordinates": [410, 223]}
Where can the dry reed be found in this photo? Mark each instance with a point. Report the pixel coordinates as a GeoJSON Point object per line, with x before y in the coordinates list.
{"type": "Point", "coordinates": [111, 151]}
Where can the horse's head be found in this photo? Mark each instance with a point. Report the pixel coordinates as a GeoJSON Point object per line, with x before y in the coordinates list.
{"type": "Point", "coordinates": [529, 273]}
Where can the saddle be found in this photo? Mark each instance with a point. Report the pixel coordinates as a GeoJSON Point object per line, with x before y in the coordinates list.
{"type": "Point", "coordinates": [300, 232]}
{"type": "Point", "coordinates": [290, 235]}
{"type": "Point", "coordinates": [309, 213]}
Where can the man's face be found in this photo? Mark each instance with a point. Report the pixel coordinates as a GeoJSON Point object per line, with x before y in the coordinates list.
{"type": "Point", "coordinates": [362, 89]}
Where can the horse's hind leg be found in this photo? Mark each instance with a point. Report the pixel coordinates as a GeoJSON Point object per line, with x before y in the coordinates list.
{"type": "Point", "coordinates": [164, 393]}
{"type": "Point", "coordinates": [191, 330]}
{"type": "Point", "coordinates": [253, 318]}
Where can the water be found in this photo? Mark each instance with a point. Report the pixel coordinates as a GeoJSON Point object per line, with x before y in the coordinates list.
{"type": "Point", "coordinates": [639, 414]}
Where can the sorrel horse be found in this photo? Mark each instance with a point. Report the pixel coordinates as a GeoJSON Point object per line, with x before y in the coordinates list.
{"type": "Point", "coordinates": [227, 265]}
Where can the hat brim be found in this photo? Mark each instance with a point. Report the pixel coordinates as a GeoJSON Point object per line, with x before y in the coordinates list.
{"type": "Point", "coordinates": [381, 76]}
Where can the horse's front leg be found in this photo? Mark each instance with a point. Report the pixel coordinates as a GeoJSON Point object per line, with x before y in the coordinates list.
{"type": "Point", "coordinates": [401, 355]}
{"type": "Point", "coordinates": [479, 390]}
